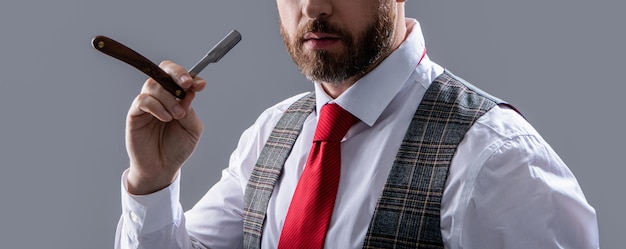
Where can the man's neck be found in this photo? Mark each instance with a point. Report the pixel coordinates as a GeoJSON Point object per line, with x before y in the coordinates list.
{"type": "Point", "coordinates": [335, 89]}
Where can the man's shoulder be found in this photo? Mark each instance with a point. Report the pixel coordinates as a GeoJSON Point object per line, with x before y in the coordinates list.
{"type": "Point", "coordinates": [503, 119]}
{"type": "Point", "coordinates": [271, 115]}
{"type": "Point", "coordinates": [280, 107]}
{"type": "Point", "coordinates": [505, 122]}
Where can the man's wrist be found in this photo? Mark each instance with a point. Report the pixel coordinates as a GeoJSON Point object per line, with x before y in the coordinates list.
{"type": "Point", "coordinates": [136, 184]}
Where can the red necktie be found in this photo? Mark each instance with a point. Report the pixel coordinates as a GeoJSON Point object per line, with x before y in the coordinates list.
{"type": "Point", "coordinates": [314, 199]}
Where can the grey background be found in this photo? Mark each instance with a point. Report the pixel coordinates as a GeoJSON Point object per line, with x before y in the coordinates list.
{"type": "Point", "coordinates": [63, 104]}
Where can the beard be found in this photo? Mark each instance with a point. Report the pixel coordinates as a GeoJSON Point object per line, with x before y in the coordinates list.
{"type": "Point", "coordinates": [358, 55]}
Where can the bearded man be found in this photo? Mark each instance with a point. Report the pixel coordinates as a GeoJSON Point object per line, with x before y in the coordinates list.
{"type": "Point", "coordinates": [389, 151]}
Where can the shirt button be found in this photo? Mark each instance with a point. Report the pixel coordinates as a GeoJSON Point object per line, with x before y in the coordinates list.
{"type": "Point", "coordinates": [134, 217]}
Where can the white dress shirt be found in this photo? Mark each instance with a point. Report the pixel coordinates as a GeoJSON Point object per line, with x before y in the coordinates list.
{"type": "Point", "coordinates": [506, 187]}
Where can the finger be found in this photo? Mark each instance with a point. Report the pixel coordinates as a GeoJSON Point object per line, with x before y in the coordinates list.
{"type": "Point", "coordinates": [198, 84]}
{"type": "Point", "coordinates": [145, 103]}
{"type": "Point", "coordinates": [186, 102]}
{"type": "Point", "coordinates": [191, 122]}
{"type": "Point", "coordinates": [167, 100]}
{"type": "Point", "coordinates": [178, 74]}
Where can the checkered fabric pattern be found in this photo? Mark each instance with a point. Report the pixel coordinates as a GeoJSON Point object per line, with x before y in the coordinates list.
{"type": "Point", "coordinates": [269, 166]}
{"type": "Point", "coordinates": [408, 212]}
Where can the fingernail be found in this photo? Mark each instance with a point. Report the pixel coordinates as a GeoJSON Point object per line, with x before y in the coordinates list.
{"type": "Point", "coordinates": [184, 78]}
{"type": "Point", "coordinates": [178, 111]}
{"type": "Point", "coordinates": [166, 116]}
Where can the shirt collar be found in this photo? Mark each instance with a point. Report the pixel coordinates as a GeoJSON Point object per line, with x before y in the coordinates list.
{"type": "Point", "coordinates": [370, 95]}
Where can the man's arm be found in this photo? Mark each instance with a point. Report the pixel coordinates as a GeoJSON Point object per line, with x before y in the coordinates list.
{"type": "Point", "coordinates": [524, 196]}
{"type": "Point", "coordinates": [152, 221]}
{"type": "Point", "coordinates": [157, 220]}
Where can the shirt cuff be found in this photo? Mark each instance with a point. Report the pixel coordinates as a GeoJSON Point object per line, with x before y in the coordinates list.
{"type": "Point", "coordinates": [144, 214]}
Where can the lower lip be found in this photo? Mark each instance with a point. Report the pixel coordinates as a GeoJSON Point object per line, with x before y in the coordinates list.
{"type": "Point", "coordinates": [321, 43]}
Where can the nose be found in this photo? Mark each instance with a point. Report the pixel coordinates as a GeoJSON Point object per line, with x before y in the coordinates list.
{"type": "Point", "coordinates": [317, 8]}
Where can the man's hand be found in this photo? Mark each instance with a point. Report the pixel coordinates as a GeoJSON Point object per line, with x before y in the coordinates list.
{"type": "Point", "coordinates": [161, 131]}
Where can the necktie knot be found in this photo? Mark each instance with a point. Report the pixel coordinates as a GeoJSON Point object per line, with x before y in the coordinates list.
{"type": "Point", "coordinates": [333, 124]}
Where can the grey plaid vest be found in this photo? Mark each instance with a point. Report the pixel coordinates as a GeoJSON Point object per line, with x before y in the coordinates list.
{"type": "Point", "coordinates": [407, 214]}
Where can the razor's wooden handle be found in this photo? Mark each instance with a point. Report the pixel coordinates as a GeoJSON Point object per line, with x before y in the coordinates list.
{"type": "Point", "coordinates": [121, 52]}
